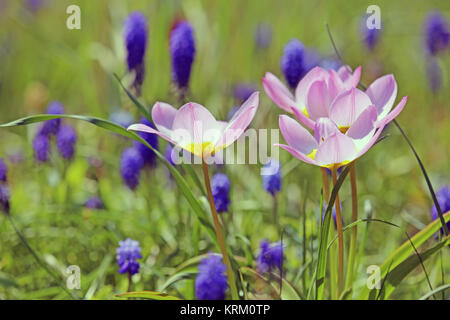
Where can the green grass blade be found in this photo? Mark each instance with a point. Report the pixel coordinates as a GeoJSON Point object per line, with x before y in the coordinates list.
{"type": "Point", "coordinates": [136, 102]}
{"type": "Point", "coordinates": [153, 295]}
{"type": "Point", "coordinates": [401, 255]}
{"type": "Point", "coordinates": [437, 290]}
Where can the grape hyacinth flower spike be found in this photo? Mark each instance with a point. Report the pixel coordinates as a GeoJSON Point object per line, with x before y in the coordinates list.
{"type": "Point", "coordinates": [51, 127]}
{"type": "Point", "coordinates": [3, 170]}
{"type": "Point", "coordinates": [437, 33]}
{"type": "Point", "coordinates": [211, 281]}
{"type": "Point", "coordinates": [128, 253]}
{"type": "Point", "coordinates": [221, 191]}
{"type": "Point", "coordinates": [66, 139]}
{"type": "Point", "coordinates": [147, 154]}
{"type": "Point", "coordinates": [182, 53]}
{"type": "Point", "coordinates": [135, 36]}
{"type": "Point", "coordinates": [41, 146]}
{"type": "Point", "coordinates": [272, 179]}
{"type": "Point", "coordinates": [443, 197]}
{"type": "Point", "coordinates": [270, 256]}
{"type": "Point", "coordinates": [131, 163]}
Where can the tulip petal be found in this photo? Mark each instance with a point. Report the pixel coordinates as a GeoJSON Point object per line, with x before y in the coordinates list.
{"type": "Point", "coordinates": [278, 92]}
{"type": "Point", "coordinates": [372, 141]}
{"type": "Point", "coordinates": [296, 136]}
{"type": "Point", "coordinates": [301, 92]}
{"type": "Point", "coordinates": [350, 80]}
{"type": "Point", "coordinates": [383, 92]}
{"type": "Point", "coordinates": [318, 100]}
{"type": "Point", "coordinates": [308, 122]}
{"type": "Point", "coordinates": [239, 122]}
{"type": "Point", "coordinates": [143, 128]}
{"type": "Point", "coordinates": [394, 113]}
{"type": "Point", "coordinates": [347, 107]}
{"type": "Point", "coordinates": [194, 125]}
{"type": "Point", "coordinates": [323, 129]}
{"type": "Point", "coordinates": [163, 115]}
{"type": "Point", "coordinates": [364, 127]}
{"type": "Point", "coordinates": [297, 154]}
{"type": "Point", "coordinates": [338, 149]}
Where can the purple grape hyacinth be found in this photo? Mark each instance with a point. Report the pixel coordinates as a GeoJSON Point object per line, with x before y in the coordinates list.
{"type": "Point", "coordinates": [94, 202]}
{"type": "Point", "coordinates": [131, 163]}
{"type": "Point", "coordinates": [263, 35]}
{"type": "Point", "coordinates": [66, 139]}
{"type": "Point", "coordinates": [272, 181]}
{"type": "Point", "coordinates": [270, 256]}
{"type": "Point", "coordinates": [220, 185]}
{"type": "Point", "coordinates": [3, 170]}
{"type": "Point", "coordinates": [41, 146]}
{"type": "Point", "coordinates": [211, 281]}
{"type": "Point", "coordinates": [243, 91]}
{"type": "Point", "coordinates": [52, 126]}
{"type": "Point", "coordinates": [127, 254]}
{"type": "Point", "coordinates": [437, 34]}
{"type": "Point", "coordinates": [4, 198]}
{"type": "Point", "coordinates": [443, 198]}
{"type": "Point", "coordinates": [293, 62]}
{"type": "Point", "coordinates": [135, 35]}
{"type": "Point", "coordinates": [182, 53]}
{"type": "Point", "coordinates": [370, 37]}
{"type": "Point", "coordinates": [147, 154]}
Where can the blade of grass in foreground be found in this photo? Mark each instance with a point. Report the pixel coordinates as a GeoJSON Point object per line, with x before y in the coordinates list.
{"type": "Point", "coordinates": [401, 262]}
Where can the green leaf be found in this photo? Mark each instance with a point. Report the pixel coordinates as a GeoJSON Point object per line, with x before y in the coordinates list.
{"type": "Point", "coordinates": [139, 105]}
{"type": "Point", "coordinates": [437, 290]}
{"type": "Point", "coordinates": [401, 255]}
{"type": "Point", "coordinates": [108, 125]}
{"type": "Point", "coordinates": [153, 295]}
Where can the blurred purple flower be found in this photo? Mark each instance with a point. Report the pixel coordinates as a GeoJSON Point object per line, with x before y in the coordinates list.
{"type": "Point", "coordinates": [147, 154]}
{"type": "Point", "coordinates": [94, 203]}
{"type": "Point", "coordinates": [131, 163]}
{"type": "Point", "coordinates": [4, 198]}
{"type": "Point", "coordinates": [437, 33]}
{"type": "Point", "coordinates": [182, 53]}
{"type": "Point", "coordinates": [66, 139]}
{"type": "Point", "coordinates": [434, 74]}
{"type": "Point", "coordinates": [122, 118]}
{"type": "Point", "coordinates": [243, 91]}
{"type": "Point", "coordinates": [263, 35]}
{"type": "Point", "coordinates": [52, 126]}
{"type": "Point", "coordinates": [270, 256]}
{"type": "Point", "coordinates": [370, 37]}
{"type": "Point", "coordinates": [211, 281]}
{"type": "Point", "coordinates": [443, 198]}
{"type": "Point", "coordinates": [127, 254]}
{"type": "Point", "coordinates": [220, 185]}
{"type": "Point", "coordinates": [293, 62]}
{"type": "Point", "coordinates": [3, 170]}
{"type": "Point", "coordinates": [41, 146]}
{"type": "Point", "coordinates": [272, 182]}
{"type": "Point", "coordinates": [135, 34]}
{"type": "Point", "coordinates": [330, 64]}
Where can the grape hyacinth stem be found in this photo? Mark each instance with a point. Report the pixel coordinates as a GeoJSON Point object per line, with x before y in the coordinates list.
{"type": "Point", "coordinates": [220, 237]}
{"type": "Point", "coordinates": [352, 250]}
{"type": "Point", "coordinates": [340, 236]}
{"type": "Point", "coordinates": [326, 187]}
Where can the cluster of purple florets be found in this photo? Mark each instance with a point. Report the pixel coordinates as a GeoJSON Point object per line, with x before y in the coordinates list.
{"type": "Point", "coordinates": [270, 257]}
{"type": "Point", "coordinates": [271, 176]}
{"type": "Point", "coordinates": [4, 190]}
{"type": "Point", "coordinates": [128, 253]}
{"type": "Point", "coordinates": [220, 185]}
{"type": "Point", "coordinates": [135, 158]}
{"type": "Point", "coordinates": [211, 281]}
{"type": "Point", "coordinates": [135, 34]}
{"type": "Point", "coordinates": [182, 53]}
{"type": "Point", "coordinates": [443, 198]}
{"type": "Point", "coordinates": [65, 136]}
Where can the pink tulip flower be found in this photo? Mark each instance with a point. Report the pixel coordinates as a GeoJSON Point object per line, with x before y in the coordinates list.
{"type": "Point", "coordinates": [334, 95]}
{"type": "Point", "coordinates": [329, 147]}
{"type": "Point", "coordinates": [194, 128]}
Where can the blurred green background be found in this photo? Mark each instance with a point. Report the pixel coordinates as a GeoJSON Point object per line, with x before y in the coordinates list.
{"type": "Point", "coordinates": [41, 60]}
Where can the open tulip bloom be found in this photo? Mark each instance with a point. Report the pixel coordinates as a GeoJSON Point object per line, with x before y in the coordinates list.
{"type": "Point", "coordinates": [334, 95]}
{"type": "Point", "coordinates": [194, 128]}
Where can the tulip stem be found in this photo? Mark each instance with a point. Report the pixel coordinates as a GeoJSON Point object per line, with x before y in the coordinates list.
{"type": "Point", "coordinates": [326, 187]}
{"type": "Point", "coordinates": [340, 236]}
{"type": "Point", "coordinates": [351, 257]}
{"type": "Point", "coordinates": [220, 237]}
